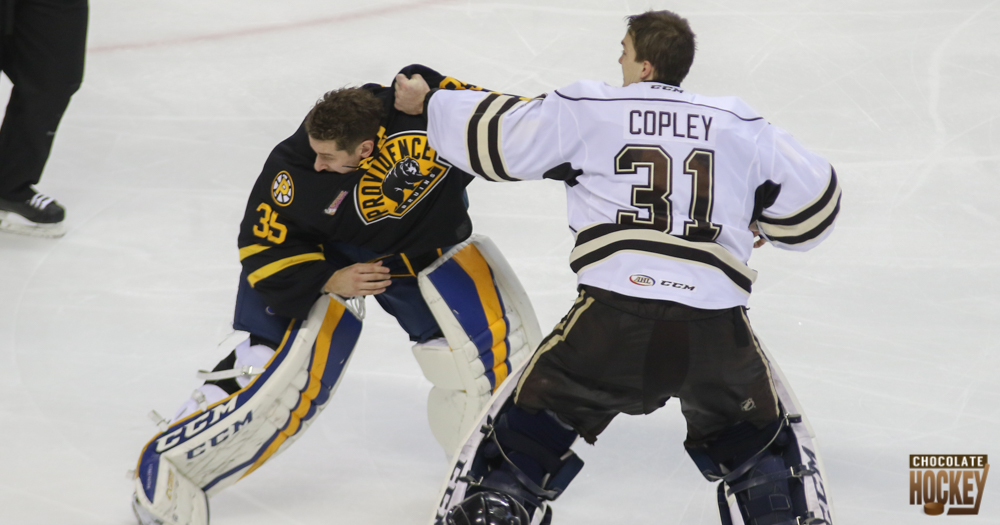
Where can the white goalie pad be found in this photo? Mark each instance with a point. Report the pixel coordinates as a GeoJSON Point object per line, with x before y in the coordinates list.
{"type": "Point", "coordinates": [456, 486]}
{"type": "Point", "coordinates": [489, 326]}
{"type": "Point", "coordinates": [817, 495]}
{"type": "Point", "coordinates": [212, 448]}
{"type": "Point", "coordinates": [178, 501]}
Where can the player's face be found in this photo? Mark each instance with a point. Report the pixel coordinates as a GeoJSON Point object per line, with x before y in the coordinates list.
{"type": "Point", "coordinates": [329, 156]}
{"type": "Point", "coordinates": [631, 70]}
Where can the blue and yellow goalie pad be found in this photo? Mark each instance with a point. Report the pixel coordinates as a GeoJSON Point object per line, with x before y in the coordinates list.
{"type": "Point", "coordinates": [211, 449]}
{"type": "Point", "coordinates": [490, 328]}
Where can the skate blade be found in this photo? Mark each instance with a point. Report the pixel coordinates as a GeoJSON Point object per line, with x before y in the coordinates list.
{"type": "Point", "coordinates": [14, 223]}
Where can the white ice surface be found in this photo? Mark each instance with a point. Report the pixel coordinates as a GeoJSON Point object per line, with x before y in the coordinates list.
{"type": "Point", "coordinates": [889, 332]}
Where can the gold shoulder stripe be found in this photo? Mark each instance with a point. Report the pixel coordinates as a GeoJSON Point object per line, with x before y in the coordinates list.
{"type": "Point", "coordinates": [268, 270]}
{"type": "Point", "coordinates": [253, 249]}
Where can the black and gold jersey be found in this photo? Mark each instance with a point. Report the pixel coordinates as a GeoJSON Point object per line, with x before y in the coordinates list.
{"type": "Point", "coordinates": [403, 199]}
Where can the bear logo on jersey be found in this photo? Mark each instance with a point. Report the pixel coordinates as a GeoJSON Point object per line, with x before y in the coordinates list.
{"type": "Point", "coordinates": [282, 189]}
{"type": "Point", "coordinates": [398, 176]}
{"type": "Point", "coordinates": [405, 175]}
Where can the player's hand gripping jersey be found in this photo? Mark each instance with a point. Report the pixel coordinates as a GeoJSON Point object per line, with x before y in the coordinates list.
{"type": "Point", "coordinates": [403, 199]}
{"type": "Point", "coordinates": [657, 181]}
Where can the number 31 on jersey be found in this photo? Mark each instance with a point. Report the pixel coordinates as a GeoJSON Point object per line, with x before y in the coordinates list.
{"type": "Point", "coordinates": [654, 196]}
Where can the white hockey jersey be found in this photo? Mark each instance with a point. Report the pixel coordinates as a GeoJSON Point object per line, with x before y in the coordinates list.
{"type": "Point", "coordinates": [662, 185]}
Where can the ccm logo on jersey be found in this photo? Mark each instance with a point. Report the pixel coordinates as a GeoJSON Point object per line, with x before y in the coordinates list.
{"type": "Point", "coordinates": [195, 426]}
{"type": "Point", "coordinates": [639, 279]}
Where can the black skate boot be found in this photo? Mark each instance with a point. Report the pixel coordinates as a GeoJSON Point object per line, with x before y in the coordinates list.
{"type": "Point", "coordinates": [40, 216]}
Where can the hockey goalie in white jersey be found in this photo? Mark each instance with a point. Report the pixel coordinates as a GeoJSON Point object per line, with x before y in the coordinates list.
{"type": "Point", "coordinates": [666, 192]}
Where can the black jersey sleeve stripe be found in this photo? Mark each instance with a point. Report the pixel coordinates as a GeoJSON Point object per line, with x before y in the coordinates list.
{"type": "Point", "coordinates": [493, 137]}
{"type": "Point", "coordinates": [598, 230]}
{"type": "Point", "coordinates": [472, 136]}
{"type": "Point", "coordinates": [807, 224]}
{"type": "Point", "coordinates": [811, 233]}
{"type": "Point", "coordinates": [798, 217]}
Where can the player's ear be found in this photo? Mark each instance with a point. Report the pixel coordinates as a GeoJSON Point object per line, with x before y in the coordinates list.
{"type": "Point", "coordinates": [648, 71]}
{"type": "Point", "coordinates": [366, 148]}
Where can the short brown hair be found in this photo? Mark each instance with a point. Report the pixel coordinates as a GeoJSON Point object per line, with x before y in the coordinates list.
{"type": "Point", "coordinates": [348, 116]}
{"type": "Point", "coordinates": [666, 41]}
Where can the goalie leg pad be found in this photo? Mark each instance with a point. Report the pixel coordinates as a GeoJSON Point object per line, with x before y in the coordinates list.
{"type": "Point", "coordinates": [761, 485]}
{"type": "Point", "coordinates": [802, 448]}
{"type": "Point", "coordinates": [488, 324]}
{"type": "Point", "coordinates": [510, 451]}
{"type": "Point", "coordinates": [215, 447]}
{"type": "Point", "coordinates": [451, 409]}
{"type": "Point", "coordinates": [772, 475]}
{"type": "Point", "coordinates": [180, 502]}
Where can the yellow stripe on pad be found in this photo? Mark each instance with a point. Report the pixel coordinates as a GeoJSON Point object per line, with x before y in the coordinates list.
{"type": "Point", "coordinates": [320, 356]}
{"type": "Point", "coordinates": [475, 265]}
{"type": "Point", "coordinates": [268, 270]}
{"type": "Point", "coordinates": [253, 249]}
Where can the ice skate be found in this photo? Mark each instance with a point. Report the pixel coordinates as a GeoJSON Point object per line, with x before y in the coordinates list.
{"type": "Point", "coordinates": [39, 216]}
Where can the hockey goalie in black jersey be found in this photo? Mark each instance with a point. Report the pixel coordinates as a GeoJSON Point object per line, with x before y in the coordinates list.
{"type": "Point", "coordinates": [665, 192]}
{"type": "Point", "coordinates": [354, 203]}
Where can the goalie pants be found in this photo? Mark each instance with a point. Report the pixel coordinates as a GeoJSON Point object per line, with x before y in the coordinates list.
{"type": "Point", "coordinates": [616, 354]}
{"type": "Point", "coordinates": [42, 44]}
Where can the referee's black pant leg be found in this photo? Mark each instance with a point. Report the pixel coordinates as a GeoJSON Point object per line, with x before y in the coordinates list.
{"type": "Point", "coordinates": [26, 139]}
{"type": "Point", "coordinates": [43, 55]}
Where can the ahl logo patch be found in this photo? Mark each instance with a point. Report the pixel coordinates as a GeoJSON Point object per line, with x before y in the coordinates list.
{"type": "Point", "coordinates": [282, 189]}
{"type": "Point", "coordinates": [642, 280]}
{"type": "Point", "coordinates": [403, 171]}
